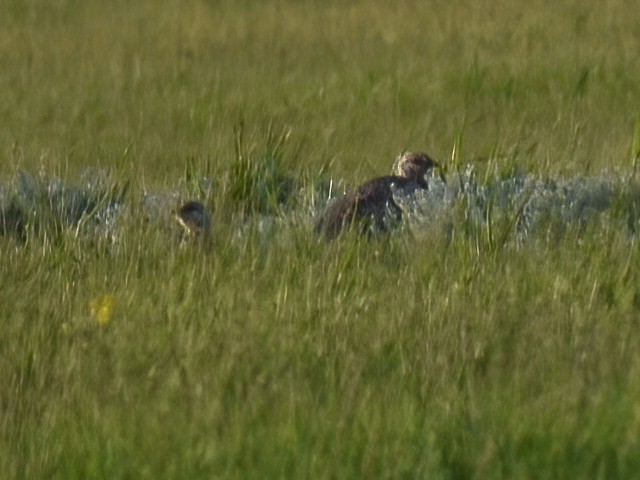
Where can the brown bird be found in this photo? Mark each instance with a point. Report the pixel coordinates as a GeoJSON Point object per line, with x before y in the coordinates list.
{"type": "Point", "coordinates": [371, 206]}
{"type": "Point", "coordinates": [194, 218]}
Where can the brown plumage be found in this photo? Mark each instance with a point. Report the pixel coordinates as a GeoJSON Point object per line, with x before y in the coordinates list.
{"type": "Point", "coordinates": [371, 206]}
{"type": "Point", "coordinates": [194, 218]}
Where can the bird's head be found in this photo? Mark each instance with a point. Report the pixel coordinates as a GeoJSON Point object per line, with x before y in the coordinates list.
{"type": "Point", "coordinates": [415, 165]}
{"type": "Point", "coordinates": [193, 217]}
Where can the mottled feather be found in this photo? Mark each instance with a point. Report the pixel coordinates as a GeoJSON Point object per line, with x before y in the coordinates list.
{"type": "Point", "coordinates": [371, 206]}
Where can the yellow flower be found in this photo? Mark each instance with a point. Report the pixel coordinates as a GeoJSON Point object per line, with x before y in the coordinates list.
{"type": "Point", "coordinates": [102, 308]}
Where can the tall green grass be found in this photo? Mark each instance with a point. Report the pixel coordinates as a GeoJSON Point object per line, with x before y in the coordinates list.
{"type": "Point", "coordinates": [445, 353]}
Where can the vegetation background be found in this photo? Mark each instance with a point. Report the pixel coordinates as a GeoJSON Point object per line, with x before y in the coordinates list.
{"type": "Point", "coordinates": [270, 354]}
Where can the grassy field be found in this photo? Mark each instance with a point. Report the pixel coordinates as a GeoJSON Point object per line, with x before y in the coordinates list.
{"type": "Point", "coordinates": [445, 352]}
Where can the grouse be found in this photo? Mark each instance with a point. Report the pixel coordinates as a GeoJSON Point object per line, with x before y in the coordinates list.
{"type": "Point", "coordinates": [371, 206]}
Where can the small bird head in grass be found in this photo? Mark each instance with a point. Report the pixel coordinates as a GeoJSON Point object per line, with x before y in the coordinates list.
{"type": "Point", "coordinates": [194, 218]}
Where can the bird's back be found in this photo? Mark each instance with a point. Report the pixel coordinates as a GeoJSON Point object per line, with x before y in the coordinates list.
{"type": "Point", "coordinates": [368, 206]}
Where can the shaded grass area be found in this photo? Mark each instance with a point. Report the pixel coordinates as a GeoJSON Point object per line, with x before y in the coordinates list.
{"type": "Point", "coordinates": [441, 353]}
{"type": "Point", "coordinates": [299, 359]}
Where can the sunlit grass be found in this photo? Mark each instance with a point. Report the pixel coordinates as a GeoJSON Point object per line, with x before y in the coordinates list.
{"type": "Point", "coordinates": [473, 349]}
